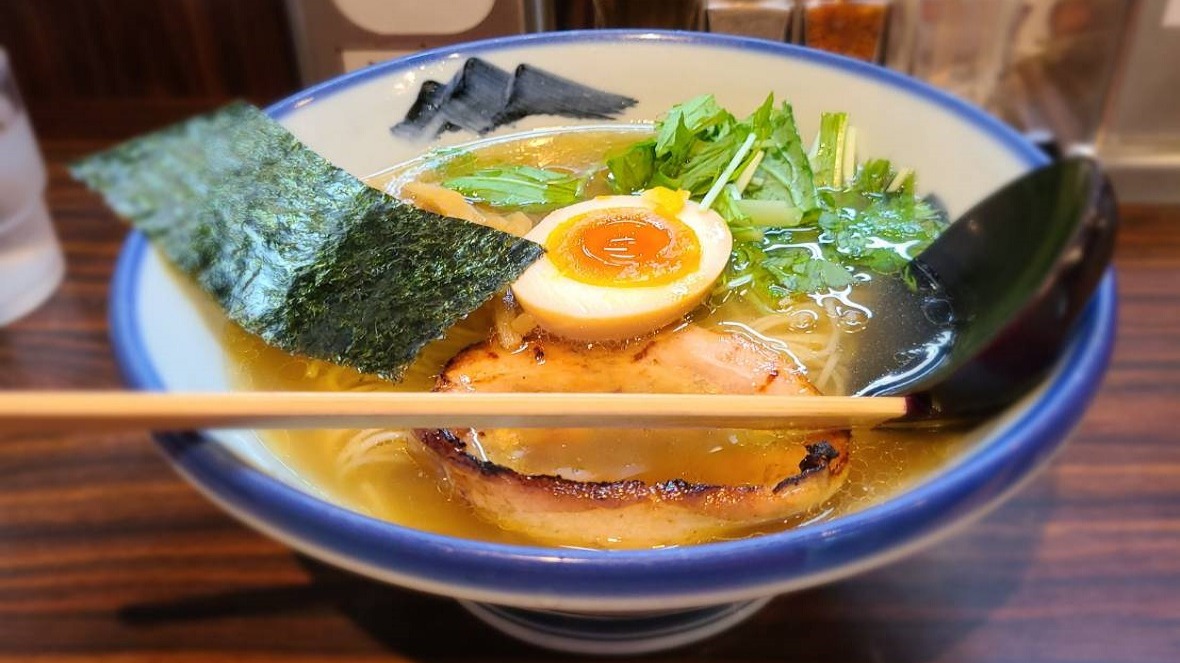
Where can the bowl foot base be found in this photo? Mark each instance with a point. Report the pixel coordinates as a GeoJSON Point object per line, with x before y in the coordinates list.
{"type": "Point", "coordinates": [613, 634]}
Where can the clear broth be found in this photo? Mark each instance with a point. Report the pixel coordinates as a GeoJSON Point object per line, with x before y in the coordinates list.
{"type": "Point", "coordinates": [387, 482]}
{"type": "Point", "coordinates": [400, 489]}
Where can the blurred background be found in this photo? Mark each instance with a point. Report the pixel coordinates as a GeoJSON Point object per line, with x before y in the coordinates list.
{"type": "Point", "coordinates": [1078, 74]}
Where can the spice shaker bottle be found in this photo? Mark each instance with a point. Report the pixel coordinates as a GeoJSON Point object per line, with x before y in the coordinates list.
{"type": "Point", "coordinates": [855, 28]}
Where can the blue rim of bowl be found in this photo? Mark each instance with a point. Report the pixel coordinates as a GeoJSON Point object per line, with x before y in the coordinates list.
{"type": "Point", "coordinates": [533, 576]}
{"type": "Point", "coordinates": [996, 129]}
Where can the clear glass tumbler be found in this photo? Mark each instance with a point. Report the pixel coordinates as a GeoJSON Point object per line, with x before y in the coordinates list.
{"type": "Point", "coordinates": [31, 264]}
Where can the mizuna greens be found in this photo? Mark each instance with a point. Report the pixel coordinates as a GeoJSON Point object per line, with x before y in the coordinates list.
{"type": "Point", "coordinates": [804, 221]}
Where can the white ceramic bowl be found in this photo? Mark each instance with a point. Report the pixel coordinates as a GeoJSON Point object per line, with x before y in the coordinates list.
{"type": "Point", "coordinates": [659, 598]}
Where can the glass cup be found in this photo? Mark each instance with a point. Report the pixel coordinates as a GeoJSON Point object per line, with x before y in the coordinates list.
{"type": "Point", "coordinates": [31, 264]}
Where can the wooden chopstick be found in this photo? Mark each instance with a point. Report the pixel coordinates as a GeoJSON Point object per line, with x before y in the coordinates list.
{"type": "Point", "coordinates": [129, 410]}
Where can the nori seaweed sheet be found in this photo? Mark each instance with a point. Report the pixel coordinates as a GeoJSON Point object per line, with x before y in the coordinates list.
{"type": "Point", "coordinates": [298, 251]}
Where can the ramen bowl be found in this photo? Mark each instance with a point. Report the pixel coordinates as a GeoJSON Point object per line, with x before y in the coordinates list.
{"type": "Point", "coordinates": [168, 337]}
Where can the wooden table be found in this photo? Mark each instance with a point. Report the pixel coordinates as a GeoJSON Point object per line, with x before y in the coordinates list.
{"type": "Point", "coordinates": [106, 554]}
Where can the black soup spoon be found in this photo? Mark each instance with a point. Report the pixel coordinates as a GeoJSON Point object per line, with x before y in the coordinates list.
{"type": "Point", "coordinates": [998, 293]}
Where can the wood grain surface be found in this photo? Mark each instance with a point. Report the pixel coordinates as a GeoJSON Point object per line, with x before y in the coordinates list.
{"type": "Point", "coordinates": [105, 554]}
{"type": "Point", "coordinates": [114, 68]}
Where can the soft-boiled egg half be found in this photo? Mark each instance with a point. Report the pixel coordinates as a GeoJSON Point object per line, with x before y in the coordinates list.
{"type": "Point", "coordinates": [617, 267]}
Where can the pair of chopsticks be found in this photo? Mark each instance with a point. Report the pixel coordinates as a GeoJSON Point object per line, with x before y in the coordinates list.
{"type": "Point", "coordinates": [26, 411]}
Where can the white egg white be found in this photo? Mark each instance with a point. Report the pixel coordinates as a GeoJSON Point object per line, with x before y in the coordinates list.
{"type": "Point", "coordinates": [589, 312]}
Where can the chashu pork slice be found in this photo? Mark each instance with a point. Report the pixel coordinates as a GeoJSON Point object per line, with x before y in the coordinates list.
{"type": "Point", "coordinates": [563, 508]}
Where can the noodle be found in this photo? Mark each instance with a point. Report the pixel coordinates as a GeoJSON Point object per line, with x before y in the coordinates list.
{"type": "Point", "coordinates": [832, 351]}
{"type": "Point", "coordinates": [810, 332]}
{"type": "Point", "coordinates": [372, 446]}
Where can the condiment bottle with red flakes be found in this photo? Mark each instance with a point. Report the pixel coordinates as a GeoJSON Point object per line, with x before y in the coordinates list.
{"type": "Point", "coordinates": [855, 28]}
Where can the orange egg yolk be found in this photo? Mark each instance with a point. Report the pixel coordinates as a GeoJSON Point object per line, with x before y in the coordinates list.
{"type": "Point", "coordinates": [624, 246]}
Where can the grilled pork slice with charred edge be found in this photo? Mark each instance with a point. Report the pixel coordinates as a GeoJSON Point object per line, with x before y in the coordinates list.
{"type": "Point", "coordinates": [633, 513]}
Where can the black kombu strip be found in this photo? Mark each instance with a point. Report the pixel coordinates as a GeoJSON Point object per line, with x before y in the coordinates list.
{"type": "Point", "coordinates": [482, 97]}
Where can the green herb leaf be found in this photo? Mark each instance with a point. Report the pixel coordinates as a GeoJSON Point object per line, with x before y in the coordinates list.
{"type": "Point", "coordinates": [703, 168]}
{"type": "Point", "coordinates": [771, 213]}
{"type": "Point", "coordinates": [785, 172]}
{"type": "Point", "coordinates": [519, 187]}
{"type": "Point", "coordinates": [728, 205]}
{"type": "Point", "coordinates": [697, 115]}
{"type": "Point", "coordinates": [829, 156]}
{"type": "Point", "coordinates": [632, 170]}
{"type": "Point", "coordinates": [874, 176]}
{"type": "Point", "coordinates": [761, 120]}
{"type": "Point", "coordinates": [797, 270]}
{"type": "Point", "coordinates": [882, 232]}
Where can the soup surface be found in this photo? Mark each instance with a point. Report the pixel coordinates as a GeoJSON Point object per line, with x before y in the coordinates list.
{"type": "Point", "coordinates": [379, 472]}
